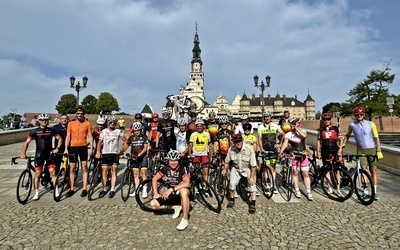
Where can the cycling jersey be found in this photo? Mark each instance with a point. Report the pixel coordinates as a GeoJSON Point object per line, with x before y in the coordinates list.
{"type": "Point", "coordinates": [182, 141]}
{"type": "Point", "coordinates": [231, 126]}
{"type": "Point", "coordinates": [296, 141]}
{"type": "Point", "coordinates": [212, 128]}
{"type": "Point", "coordinates": [329, 137]}
{"type": "Point", "coordinates": [269, 135]}
{"type": "Point", "coordinates": [110, 140]}
{"type": "Point", "coordinates": [62, 131]}
{"type": "Point", "coordinates": [364, 133]}
{"type": "Point", "coordinates": [285, 125]}
{"type": "Point", "coordinates": [153, 130]}
{"type": "Point", "coordinates": [79, 131]}
{"type": "Point", "coordinates": [166, 127]}
{"type": "Point", "coordinates": [200, 143]}
{"type": "Point", "coordinates": [137, 144]}
{"type": "Point", "coordinates": [192, 126]}
{"type": "Point", "coordinates": [223, 137]}
{"type": "Point", "coordinates": [249, 139]}
{"type": "Point", "coordinates": [44, 141]}
{"type": "Point", "coordinates": [176, 178]}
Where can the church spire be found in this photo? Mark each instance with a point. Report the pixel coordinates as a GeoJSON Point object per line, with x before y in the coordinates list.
{"type": "Point", "coordinates": [196, 48]}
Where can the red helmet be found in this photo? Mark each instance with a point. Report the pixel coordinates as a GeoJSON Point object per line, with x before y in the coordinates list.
{"type": "Point", "coordinates": [237, 138]}
{"type": "Point", "coordinates": [359, 110]}
{"type": "Point", "coordinates": [154, 115]}
{"type": "Point", "coordinates": [326, 116]}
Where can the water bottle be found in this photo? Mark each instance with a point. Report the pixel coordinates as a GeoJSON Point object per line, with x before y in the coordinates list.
{"type": "Point", "coordinates": [350, 171]}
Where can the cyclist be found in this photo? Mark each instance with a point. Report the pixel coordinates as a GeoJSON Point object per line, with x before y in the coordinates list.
{"type": "Point", "coordinates": [145, 127]}
{"type": "Point", "coordinates": [121, 124]}
{"type": "Point", "coordinates": [153, 126]}
{"type": "Point", "coordinates": [61, 129]}
{"type": "Point", "coordinates": [284, 122]}
{"type": "Point", "coordinates": [43, 135]}
{"type": "Point", "coordinates": [239, 127]}
{"type": "Point", "coordinates": [166, 131]}
{"type": "Point", "coordinates": [180, 114]}
{"type": "Point", "coordinates": [248, 137]}
{"type": "Point", "coordinates": [177, 196]}
{"type": "Point", "coordinates": [223, 141]}
{"type": "Point", "coordinates": [212, 127]}
{"type": "Point", "coordinates": [296, 139]}
{"type": "Point", "coordinates": [367, 141]}
{"type": "Point", "coordinates": [242, 159]}
{"type": "Point", "coordinates": [109, 138]}
{"type": "Point", "coordinates": [328, 139]}
{"type": "Point", "coordinates": [79, 132]}
{"type": "Point", "coordinates": [199, 144]}
{"type": "Point", "coordinates": [96, 134]}
{"type": "Point", "coordinates": [138, 142]}
{"type": "Point", "coordinates": [182, 138]}
{"type": "Point", "coordinates": [268, 140]}
{"type": "Point", "coordinates": [192, 122]}
{"type": "Point", "coordinates": [231, 125]}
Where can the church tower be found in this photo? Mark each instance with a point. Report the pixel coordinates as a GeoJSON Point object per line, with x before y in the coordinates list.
{"type": "Point", "coordinates": [195, 86]}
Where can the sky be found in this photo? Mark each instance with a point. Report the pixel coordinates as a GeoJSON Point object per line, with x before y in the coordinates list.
{"type": "Point", "coordinates": [140, 51]}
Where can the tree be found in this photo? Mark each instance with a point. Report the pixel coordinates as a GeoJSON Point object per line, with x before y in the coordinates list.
{"type": "Point", "coordinates": [89, 104]}
{"type": "Point", "coordinates": [66, 104]}
{"type": "Point", "coordinates": [371, 93]}
{"type": "Point", "coordinates": [331, 107]}
{"type": "Point", "coordinates": [107, 103]}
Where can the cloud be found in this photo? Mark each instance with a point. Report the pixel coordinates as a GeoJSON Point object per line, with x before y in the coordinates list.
{"type": "Point", "coordinates": [140, 51]}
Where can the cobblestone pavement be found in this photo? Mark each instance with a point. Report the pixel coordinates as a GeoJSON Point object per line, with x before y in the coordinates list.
{"type": "Point", "coordinates": [112, 224]}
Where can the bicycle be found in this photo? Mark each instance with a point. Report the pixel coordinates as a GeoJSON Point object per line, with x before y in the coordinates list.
{"type": "Point", "coordinates": [128, 181]}
{"type": "Point", "coordinates": [266, 180]}
{"type": "Point", "coordinates": [314, 168]}
{"type": "Point", "coordinates": [287, 175]}
{"type": "Point", "coordinates": [197, 184]}
{"type": "Point", "coordinates": [95, 179]}
{"type": "Point", "coordinates": [25, 180]}
{"type": "Point", "coordinates": [62, 180]}
{"type": "Point", "coordinates": [184, 102]}
{"type": "Point", "coordinates": [363, 185]}
{"type": "Point", "coordinates": [216, 178]}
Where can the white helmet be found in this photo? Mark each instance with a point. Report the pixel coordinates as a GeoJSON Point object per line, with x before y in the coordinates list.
{"type": "Point", "coordinates": [137, 126]}
{"type": "Point", "coordinates": [173, 155]}
{"type": "Point", "coordinates": [101, 121]}
{"type": "Point", "coordinates": [223, 119]}
{"type": "Point", "coordinates": [266, 113]}
{"type": "Point", "coordinates": [166, 112]}
{"type": "Point", "coordinates": [199, 121]}
{"type": "Point", "coordinates": [44, 116]}
{"type": "Point", "coordinates": [182, 122]}
{"type": "Point", "coordinates": [112, 119]}
{"type": "Point", "coordinates": [293, 120]}
{"type": "Point", "coordinates": [243, 117]}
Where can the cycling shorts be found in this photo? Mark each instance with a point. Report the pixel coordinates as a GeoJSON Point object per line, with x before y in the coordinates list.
{"type": "Point", "coordinates": [173, 199]}
{"type": "Point", "coordinates": [298, 163]}
{"type": "Point", "coordinates": [81, 151]}
{"type": "Point", "coordinates": [109, 159]}
{"type": "Point", "coordinates": [140, 163]}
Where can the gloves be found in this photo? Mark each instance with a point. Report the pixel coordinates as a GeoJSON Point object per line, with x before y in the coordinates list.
{"type": "Point", "coordinates": [379, 155]}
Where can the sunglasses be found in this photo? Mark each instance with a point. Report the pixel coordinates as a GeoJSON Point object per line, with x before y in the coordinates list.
{"type": "Point", "coordinates": [224, 123]}
{"type": "Point", "coordinates": [326, 119]}
{"type": "Point", "coordinates": [359, 114]}
{"type": "Point", "coordinates": [79, 113]}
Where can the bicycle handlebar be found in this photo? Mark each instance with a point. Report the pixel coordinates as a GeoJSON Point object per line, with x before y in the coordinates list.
{"type": "Point", "coordinates": [350, 157]}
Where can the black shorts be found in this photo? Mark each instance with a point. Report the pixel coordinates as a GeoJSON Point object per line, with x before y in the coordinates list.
{"type": "Point", "coordinates": [173, 199]}
{"type": "Point", "coordinates": [82, 151]}
{"type": "Point", "coordinates": [109, 159]}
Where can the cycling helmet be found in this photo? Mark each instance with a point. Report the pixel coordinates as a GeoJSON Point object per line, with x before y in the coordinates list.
{"type": "Point", "coordinates": [173, 155]}
{"type": "Point", "coordinates": [211, 113]}
{"type": "Point", "coordinates": [166, 112]}
{"type": "Point", "coordinates": [223, 119]}
{"type": "Point", "coordinates": [112, 119]}
{"type": "Point", "coordinates": [182, 122]}
{"type": "Point", "coordinates": [237, 138]}
{"type": "Point", "coordinates": [154, 115]}
{"type": "Point", "coordinates": [138, 116]}
{"type": "Point", "coordinates": [247, 126]}
{"type": "Point", "coordinates": [294, 120]}
{"type": "Point", "coordinates": [137, 126]}
{"type": "Point", "coordinates": [243, 117]}
{"type": "Point", "coordinates": [326, 116]}
{"type": "Point", "coordinates": [193, 114]}
{"type": "Point", "coordinates": [101, 121]}
{"type": "Point", "coordinates": [44, 117]}
{"type": "Point", "coordinates": [199, 121]}
{"type": "Point", "coordinates": [181, 111]}
{"type": "Point", "coordinates": [358, 110]}
{"type": "Point", "coordinates": [266, 113]}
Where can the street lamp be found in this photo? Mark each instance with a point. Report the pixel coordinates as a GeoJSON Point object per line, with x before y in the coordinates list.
{"type": "Point", "coordinates": [262, 87]}
{"type": "Point", "coordinates": [78, 86]}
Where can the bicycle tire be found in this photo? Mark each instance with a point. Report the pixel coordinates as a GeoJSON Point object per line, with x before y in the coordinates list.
{"type": "Point", "coordinates": [126, 184]}
{"type": "Point", "coordinates": [24, 186]}
{"type": "Point", "coordinates": [315, 169]}
{"type": "Point", "coordinates": [365, 192]}
{"type": "Point", "coordinates": [215, 178]}
{"type": "Point", "coordinates": [196, 104]}
{"type": "Point", "coordinates": [209, 195]}
{"type": "Point", "coordinates": [144, 203]}
{"type": "Point", "coordinates": [340, 183]}
{"type": "Point", "coordinates": [289, 184]}
{"type": "Point", "coordinates": [241, 188]}
{"type": "Point", "coordinates": [95, 182]}
{"type": "Point", "coordinates": [62, 183]}
{"type": "Point", "coordinates": [267, 182]}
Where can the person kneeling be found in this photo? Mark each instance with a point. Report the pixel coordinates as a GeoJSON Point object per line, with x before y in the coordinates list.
{"type": "Point", "coordinates": [177, 196]}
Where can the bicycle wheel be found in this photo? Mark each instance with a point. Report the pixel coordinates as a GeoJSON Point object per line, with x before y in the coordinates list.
{"type": "Point", "coordinates": [95, 184]}
{"type": "Point", "coordinates": [144, 202]}
{"type": "Point", "coordinates": [126, 184]}
{"type": "Point", "coordinates": [215, 178]}
{"type": "Point", "coordinates": [289, 184]}
{"type": "Point", "coordinates": [267, 182]}
{"type": "Point", "coordinates": [336, 184]}
{"type": "Point", "coordinates": [24, 186]}
{"type": "Point", "coordinates": [241, 188]}
{"type": "Point", "coordinates": [196, 104]}
{"type": "Point", "coordinates": [313, 173]}
{"type": "Point", "coordinates": [209, 195]}
{"type": "Point", "coordinates": [363, 187]}
{"type": "Point", "coordinates": [62, 182]}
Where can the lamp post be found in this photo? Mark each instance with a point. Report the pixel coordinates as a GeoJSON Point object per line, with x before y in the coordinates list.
{"type": "Point", "coordinates": [78, 86]}
{"type": "Point", "coordinates": [262, 87]}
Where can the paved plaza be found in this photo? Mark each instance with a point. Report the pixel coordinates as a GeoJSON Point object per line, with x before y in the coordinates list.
{"type": "Point", "coordinates": [76, 223]}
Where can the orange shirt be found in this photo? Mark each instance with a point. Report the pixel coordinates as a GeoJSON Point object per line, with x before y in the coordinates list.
{"type": "Point", "coordinates": [78, 132]}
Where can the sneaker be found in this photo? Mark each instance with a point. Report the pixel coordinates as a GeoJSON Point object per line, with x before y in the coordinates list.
{"type": "Point", "coordinates": [257, 193]}
{"type": "Point", "coordinates": [133, 194]}
{"type": "Point", "coordinates": [144, 193]}
{"type": "Point", "coordinates": [84, 193]}
{"type": "Point", "coordinates": [183, 225]}
{"type": "Point", "coordinates": [70, 193]}
{"type": "Point", "coordinates": [102, 193]}
{"type": "Point", "coordinates": [297, 194]}
{"type": "Point", "coordinates": [365, 196]}
{"type": "Point", "coordinates": [275, 190]}
{"type": "Point", "coordinates": [35, 197]}
{"type": "Point", "coordinates": [267, 191]}
{"type": "Point", "coordinates": [329, 191]}
{"type": "Point", "coordinates": [236, 195]}
{"type": "Point", "coordinates": [111, 194]}
{"type": "Point", "coordinates": [376, 197]}
{"type": "Point", "coordinates": [339, 194]}
{"type": "Point", "coordinates": [231, 204]}
{"type": "Point", "coordinates": [252, 209]}
{"type": "Point", "coordinates": [177, 212]}
{"type": "Point", "coordinates": [56, 192]}
{"type": "Point", "coordinates": [310, 197]}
